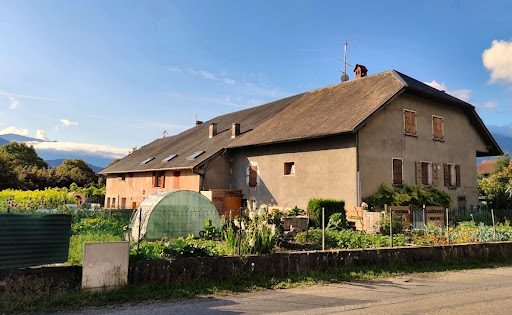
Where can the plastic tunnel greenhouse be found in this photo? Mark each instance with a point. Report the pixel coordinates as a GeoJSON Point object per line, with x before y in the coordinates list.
{"type": "Point", "coordinates": [172, 214]}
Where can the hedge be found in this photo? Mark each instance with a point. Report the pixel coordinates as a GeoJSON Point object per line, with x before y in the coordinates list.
{"type": "Point", "coordinates": [330, 206]}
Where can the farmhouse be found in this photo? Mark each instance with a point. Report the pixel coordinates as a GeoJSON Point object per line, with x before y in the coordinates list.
{"type": "Point", "coordinates": [341, 141]}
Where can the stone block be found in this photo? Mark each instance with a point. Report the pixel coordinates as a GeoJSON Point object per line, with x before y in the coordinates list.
{"type": "Point", "coordinates": [105, 265]}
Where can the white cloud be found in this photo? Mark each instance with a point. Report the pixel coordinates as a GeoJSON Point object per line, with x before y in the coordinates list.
{"type": "Point", "coordinates": [39, 98]}
{"type": "Point", "coordinates": [41, 134]}
{"type": "Point", "coordinates": [14, 130]}
{"type": "Point", "coordinates": [462, 94]}
{"type": "Point", "coordinates": [498, 60]}
{"type": "Point", "coordinates": [203, 74]}
{"type": "Point", "coordinates": [491, 104]}
{"type": "Point", "coordinates": [14, 103]}
{"type": "Point", "coordinates": [92, 149]}
{"type": "Point", "coordinates": [67, 122]}
{"type": "Point", "coordinates": [174, 69]}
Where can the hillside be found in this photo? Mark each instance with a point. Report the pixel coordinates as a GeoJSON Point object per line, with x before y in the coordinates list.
{"type": "Point", "coordinates": [58, 162]}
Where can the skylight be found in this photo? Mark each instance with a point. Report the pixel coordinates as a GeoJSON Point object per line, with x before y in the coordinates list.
{"type": "Point", "coordinates": [170, 157]}
{"type": "Point", "coordinates": [146, 161]}
{"type": "Point", "coordinates": [194, 155]}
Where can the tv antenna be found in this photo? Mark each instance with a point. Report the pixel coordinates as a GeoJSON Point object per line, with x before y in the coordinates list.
{"type": "Point", "coordinates": [164, 133]}
{"type": "Point", "coordinates": [344, 75]}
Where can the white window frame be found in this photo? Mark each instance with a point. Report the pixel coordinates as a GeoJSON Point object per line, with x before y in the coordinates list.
{"type": "Point", "coordinates": [452, 171]}
{"type": "Point", "coordinates": [292, 168]}
{"type": "Point", "coordinates": [430, 181]}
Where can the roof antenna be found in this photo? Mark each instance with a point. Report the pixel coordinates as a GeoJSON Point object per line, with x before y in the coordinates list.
{"type": "Point", "coordinates": [344, 76]}
{"type": "Point", "coordinates": [195, 118]}
{"type": "Point", "coordinates": [164, 133]}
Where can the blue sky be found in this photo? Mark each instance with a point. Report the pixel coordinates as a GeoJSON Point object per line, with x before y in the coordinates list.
{"type": "Point", "coordinates": [111, 75]}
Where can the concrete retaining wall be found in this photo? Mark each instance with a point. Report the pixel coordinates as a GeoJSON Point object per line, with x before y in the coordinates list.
{"type": "Point", "coordinates": [214, 269]}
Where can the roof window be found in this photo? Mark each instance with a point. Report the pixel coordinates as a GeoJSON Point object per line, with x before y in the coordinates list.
{"type": "Point", "coordinates": [146, 161]}
{"type": "Point", "coordinates": [194, 155]}
{"type": "Point", "coordinates": [170, 157]}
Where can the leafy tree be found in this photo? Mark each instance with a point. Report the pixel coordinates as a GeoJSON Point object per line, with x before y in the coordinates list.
{"type": "Point", "coordinates": [409, 195]}
{"type": "Point", "coordinates": [8, 177]}
{"type": "Point", "coordinates": [22, 155]}
{"type": "Point", "coordinates": [75, 171]}
{"type": "Point", "coordinates": [496, 188]}
{"type": "Point", "coordinates": [501, 162]}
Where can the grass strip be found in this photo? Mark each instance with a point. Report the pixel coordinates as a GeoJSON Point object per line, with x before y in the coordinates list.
{"type": "Point", "coordinates": [131, 294]}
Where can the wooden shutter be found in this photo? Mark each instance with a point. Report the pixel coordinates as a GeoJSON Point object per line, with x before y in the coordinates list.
{"type": "Point", "coordinates": [457, 174]}
{"type": "Point", "coordinates": [153, 179]}
{"type": "Point", "coordinates": [446, 174]}
{"type": "Point", "coordinates": [163, 179]}
{"type": "Point", "coordinates": [413, 123]}
{"type": "Point", "coordinates": [407, 119]}
{"type": "Point", "coordinates": [130, 180]}
{"type": "Point", "coordinates": [437, 124]}
{"type": "Point", "coordinates": [397, 171]}
{"type": "Point", "coordinates": [434, 175]}
{"type": "Point", "coordinates": [419, 178]}
{"type": "Point", "coordinates": [253, 176]}
{"type": "Point", "coordinates": [176, 180]}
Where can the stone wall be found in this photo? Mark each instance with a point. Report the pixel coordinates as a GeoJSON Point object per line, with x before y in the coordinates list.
{"type": "Point", "coordinates": [215, 269]}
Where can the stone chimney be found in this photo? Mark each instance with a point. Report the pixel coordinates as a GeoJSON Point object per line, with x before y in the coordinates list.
{"type": "Point", "coordinates": [198, 122]}
{"type": "Point", "coordinates": [235, 130]}
{"type": "Point", "coordinates": [360, 71]}
{"type": "Point", "coordinates": [213, 130]}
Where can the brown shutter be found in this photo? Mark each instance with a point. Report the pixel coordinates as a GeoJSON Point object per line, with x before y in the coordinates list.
{"type": "Point", "coordinates": [163, 179]}
{"type": "Point", "coordinates": [397, 171]}
{"type": "Point", "coordinates": [437, 123]}
{"type": "Point", "coordinates": [153, 179]}
{"type": "Point", "coordinates": [418, 173]}
{"type": "Point", "coordinates": [176, 180]}
{"type": "Point", "coordinates": [413, 123]}
{"type": "Point", "coordinates": [407, 118]}
{"type": "Point", "coordinates": [457, 174]}
{"type": "Point", "coordinates": [253, 176]}
{"type": "Point", "coordinates": [446, 174]}
{"type": "Point", "coordinates": [434, 174]}
{"type": "Point", "coordinates": [130, 180]}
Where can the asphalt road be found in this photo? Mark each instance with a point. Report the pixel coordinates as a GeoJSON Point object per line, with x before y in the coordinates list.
{"type": "Point", "coordinates": [482, 291]}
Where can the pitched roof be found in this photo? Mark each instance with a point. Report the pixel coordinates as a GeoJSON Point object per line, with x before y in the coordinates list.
{"type": "Point", "coordinates": [336, 109]}
{"type": "Point", "coordinates": [486, 167]}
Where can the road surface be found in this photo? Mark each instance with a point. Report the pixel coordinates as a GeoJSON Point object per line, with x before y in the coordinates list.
{"type": "Point", "coordinates": [480, 291]}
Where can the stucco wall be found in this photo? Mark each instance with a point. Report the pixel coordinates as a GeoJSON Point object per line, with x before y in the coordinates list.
{"type": "Point", "coordinates": [142, 187]}
{"type": "Point", "coordinates": [217, 175]}
{"type": "Point", "coordinates": [383, 139]}
{"type": "Point", "coordinates": [324, 168]}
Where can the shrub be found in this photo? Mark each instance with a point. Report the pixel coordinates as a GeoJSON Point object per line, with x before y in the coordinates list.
{"type": "Point", "coordinates": [348, 239]}
{"type": "Point", "coordinates": [337, 222]}
{"type": "Point", "coordinates": [174, 248]}
{"type": "Point", "coordinates": [210, 232]}
{"type": "Point", "coordinates": [330, 206]}
{"type": "Point", "coordinates": [398, 224]}
{"type": "Point", "coordinates": [409, 195]}
{"type": "Point", "coordinates": [294, 212]}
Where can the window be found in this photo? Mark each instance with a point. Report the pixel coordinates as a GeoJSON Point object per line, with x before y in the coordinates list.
{"type": "Point", "coordinates": [146, 161]}
{"type": "Point", "coordinates": [253, 176]}
{"type": "Point", "coordinates": [108, 202]}
{"type": "Point", "coordinates": [426, 173]}
{"type": "Point", "coordinates": [113, 205]}
{"type": "Point", "coordinates": [437, 128]}
{"type": "Point", "coordinates": [123, 203]}
{"type": "Point", "coordinates": [409, 122]}
{"type": "Point", "coordinates": [289, 168]}
{"type": "Point", "coordinates": [176, 180]}
{"type": "Point", "coordinates": [397, 172]}
{"type": "Point", "coordinates": [194, 155]}
{"type": "Point", "coordinates": [121, 177]}
{"type": "Point", "coordinates": [158, 179]}
{"type": "Point", "coordinates": [170, 157]}
{"type": "Point", "coordinates": [451, 175]}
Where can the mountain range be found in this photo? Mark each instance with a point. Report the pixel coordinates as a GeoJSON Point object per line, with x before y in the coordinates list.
{"type": "Point", "coordinates": [54, 157]}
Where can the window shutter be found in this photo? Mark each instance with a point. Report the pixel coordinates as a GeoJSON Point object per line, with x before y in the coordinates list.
{"type": "Point", "coordinates": [407, 118]}
{"type": "Point", "coordinates": [397, 171]}
{"type": "Point", "coordinates": [437, 123]}
{"type": "Point", "coordinates": [253, 176]}
{"type": "Point", "coordinates": [153, 179]}
{"type": "Point", "coordinates": [176, 180]}
{"type": "Point", "coordinates": [163, 179]}
{"type": "Point", "coordinates": [413, 123]}
{"type": "Point", "coordinates": [446, 174]}
{"type": "Point", "coordinates": [419, 178]}
{"type": "Point", "coordinates": [457, 174]}
{"type": "Point", "coordinates": [434, 175]}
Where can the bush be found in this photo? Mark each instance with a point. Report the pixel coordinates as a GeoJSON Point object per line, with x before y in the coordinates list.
{"type": "Point", "coordinates": [174, 248]}
{"type": "Point", "coordinates": [409, 195]}
{"type": "Point", "coordinates": [348, 239]}
{"type": "Point", "coordinates": [330, 206]}
{"type": "Point", "coordinates": [398, 224]}
{"type": "Point", "coordinates": [337, 222]}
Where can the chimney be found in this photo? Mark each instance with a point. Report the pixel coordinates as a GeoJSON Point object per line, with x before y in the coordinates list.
{"type": "Point", "coordinates": [213, 130]}
{"type": "Point", "coordinates": [360, 71]}
{"type": "Point", "coordinates": [235, 130]}
{"type": "Point", "coordinates": [198, 122]}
